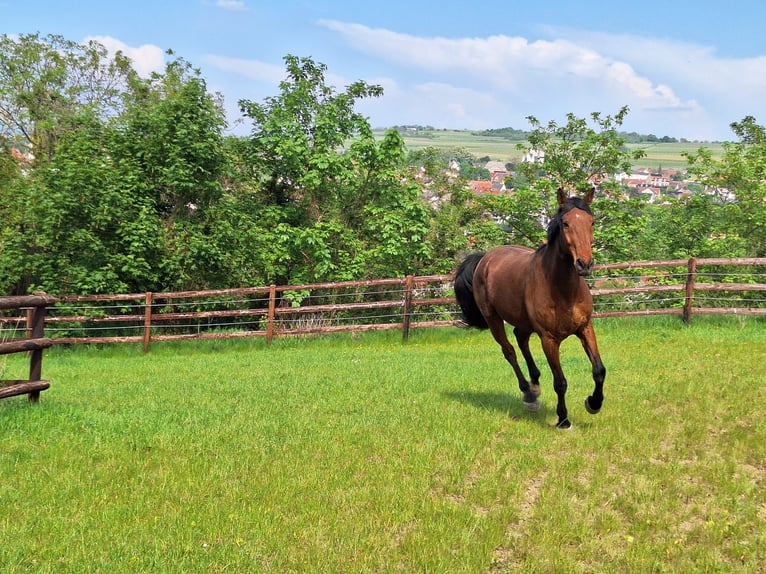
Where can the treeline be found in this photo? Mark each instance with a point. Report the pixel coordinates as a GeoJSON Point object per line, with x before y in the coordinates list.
{"type": "Point", "coordinates": [111, 182]}
{"type": "Point", "coordinates": [513, 134]}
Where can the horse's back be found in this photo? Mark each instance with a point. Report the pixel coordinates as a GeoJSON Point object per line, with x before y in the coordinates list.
{"type": "Point", "coordinates": [500, 282]}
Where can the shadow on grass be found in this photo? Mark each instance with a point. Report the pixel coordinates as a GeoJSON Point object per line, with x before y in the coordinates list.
{"type": "Point", "coordinates": [506, 403]}
{"type": "Point", "coordinates": [510, 405]}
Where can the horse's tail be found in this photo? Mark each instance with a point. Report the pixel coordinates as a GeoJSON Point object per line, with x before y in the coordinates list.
{"type": "Point", "coordinates": [464, 292]}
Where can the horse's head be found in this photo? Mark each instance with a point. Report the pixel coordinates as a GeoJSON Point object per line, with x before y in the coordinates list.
{"type": "Point", "coordinates": [574, 226]}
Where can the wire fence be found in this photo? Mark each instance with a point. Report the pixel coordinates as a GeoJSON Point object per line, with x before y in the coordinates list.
{"type": "Point", "coordinates": [678, 287]}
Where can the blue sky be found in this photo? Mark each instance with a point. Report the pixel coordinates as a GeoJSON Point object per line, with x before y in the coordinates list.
{"type": "Point", "coordinates": [685, 68]}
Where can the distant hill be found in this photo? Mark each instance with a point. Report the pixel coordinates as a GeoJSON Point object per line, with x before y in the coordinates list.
{"type": "Point", "coordinates": [513, 134]}
{"type": "Point", "coordinates": [501, 144]}
{"type": "Point", "coordinates": [508, 133]}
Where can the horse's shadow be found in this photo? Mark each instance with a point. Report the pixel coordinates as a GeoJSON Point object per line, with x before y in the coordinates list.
{"type": "Point", "coordinates": [504, 403]}
{"type": "Point", "coordinates": [508, 404]}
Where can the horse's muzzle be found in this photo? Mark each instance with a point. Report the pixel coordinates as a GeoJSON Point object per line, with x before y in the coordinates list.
{"type": "Point", "coordinates": [584, 269]}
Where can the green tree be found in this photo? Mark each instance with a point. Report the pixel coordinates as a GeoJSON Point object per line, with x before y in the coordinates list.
{"type": "Point", "coordinates": [170, 147]}
{"type": "Point", "coordinates": [576, 156]}
{"type": "Point", "coordinates": [121, 203]}
{"type": "Point", "coordinates": [46, 82]}
{"type": "Point", "coordinates": [694, 226]}
{"type": "Point", "coordinates": [740, 171]}
{"type": "Point", "coordinates": [621, 227]}
{"type": "Point", "coordinates": [9, 165]}
{"type": "Point", "coordinates": [77, 228]}
{"type": "Point", "coordinates": [331, 199]}
{"type": "Point", "coordinates": [298, 137]}
{"type": "Point", "coordinates": [457, 222]}
{"type": "Point", "coordinates": [172, 132]}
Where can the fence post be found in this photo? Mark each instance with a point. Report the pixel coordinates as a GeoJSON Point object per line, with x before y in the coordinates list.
{"type": "Point", "coordinates": [690, 277]}
{"type": "Point", "coordinates": [30, 323]}
{"type": "Point", "coordinates": [409, 283]}
{"type": "Point", "coordinates": [270, 317]}
{"type": "Point", "coordinates": [37, 321]}
{"type": "Point", "coordinates": [148, 320]}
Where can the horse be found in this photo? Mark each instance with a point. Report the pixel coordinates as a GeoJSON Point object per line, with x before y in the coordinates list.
{"type": "Point", "coordinates": [539, 291]}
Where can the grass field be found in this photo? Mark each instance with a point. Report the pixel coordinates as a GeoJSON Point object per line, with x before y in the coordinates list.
{"type": "Point", "coordinates": [363, 453]}
{"type": "Point", "coordinates": [666, 155]}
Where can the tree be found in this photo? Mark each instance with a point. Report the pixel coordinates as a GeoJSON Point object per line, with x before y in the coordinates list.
{"type": "Point", "coordinates": [694, 226]}
{"type": "Point", "coordinates": [332, 199]}
{"type": "Point", "coordinates": [297, 137]}
{"type": "Point", "coordinates": [172, 129]}
{"type": "Point", "coordinates": [575, 156]}
{"type": "Point", "coordinates": [742, 171]}
{"type": "Point", "coordinates": [9, 164]}
{"type": "Point", "coordinates": [121, 202]}
{"type": "Point", "coordinates": [46, 82]}
{"type": "Point", "coordinates": [76, 226]}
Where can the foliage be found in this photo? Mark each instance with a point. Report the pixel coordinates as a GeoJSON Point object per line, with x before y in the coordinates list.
{"type": "Point", "coordinates": [108, 207]}
{"type": "Point", "coordinates": [343, 208]}
{"type": "Point", "coordinates": [46, 82]}
{"type": "Point", "coordinates": [94, 233]}
{"type": "Point", "coordinates": [113, 182]}
{"type": "Point", "coordinates": [575, 156]}
{"type": "Point", "coordinates": [508, 133]}
{"type": "Point", "coordinates": [742, 171]}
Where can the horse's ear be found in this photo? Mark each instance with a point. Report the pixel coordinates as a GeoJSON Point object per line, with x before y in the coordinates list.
{"type": "Point", "coordinates": [590, 195]}
{"type": "Point", "coordinates": [562, 197]}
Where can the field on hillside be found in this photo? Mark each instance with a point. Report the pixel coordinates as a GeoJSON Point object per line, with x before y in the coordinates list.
{"type": "Point", "coordinates": [666, 155]}
{"type": "Point", "coordinates": [364, 453]}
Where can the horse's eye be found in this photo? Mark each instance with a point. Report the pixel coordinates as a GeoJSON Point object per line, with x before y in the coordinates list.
{"type": "Point", "coordinates": [565, 225]}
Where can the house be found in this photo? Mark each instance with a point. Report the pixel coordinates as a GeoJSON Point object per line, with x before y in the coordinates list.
{"type": "Point", "coordinates": [495, 166]}
{"type": "Point", "coordinates": [480, 187]}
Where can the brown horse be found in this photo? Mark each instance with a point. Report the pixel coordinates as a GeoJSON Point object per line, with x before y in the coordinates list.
{"type": "Point", "coordinates": [541, 292]}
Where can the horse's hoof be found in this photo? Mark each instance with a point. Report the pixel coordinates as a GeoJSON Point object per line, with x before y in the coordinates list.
{"type": "Point", "coordinates": [590, 409]}
{"type": "Point", "coordinates": [564, 425]}
{"type": "Point", "coordinates": [532, 407]}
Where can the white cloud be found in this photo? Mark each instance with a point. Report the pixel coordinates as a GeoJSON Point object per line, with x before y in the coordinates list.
{"type": "Point", "coordinates": [146, 59]}
{"type": "Point", "coordinates": [436, 104]}
{"type": "Point", "coordinates": [509, 62]}
{"type": "Point", "coordinates": [233, 5]}
{"type": "Point", "coordinates": [252, 69]}
{"type": "Point", "coordinates": [690, 67]}
{"type": "Point", "coordinates": [671, 88]}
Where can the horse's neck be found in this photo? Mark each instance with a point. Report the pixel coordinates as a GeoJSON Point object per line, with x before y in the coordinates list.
{"type": "Point", "coordinates": [559, 271]}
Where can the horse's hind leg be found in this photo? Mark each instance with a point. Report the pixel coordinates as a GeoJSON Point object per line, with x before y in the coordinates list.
{"type": "Point", "coordinates": [497, 327]}
{"type": "Point", "coordinates": [522, 339]}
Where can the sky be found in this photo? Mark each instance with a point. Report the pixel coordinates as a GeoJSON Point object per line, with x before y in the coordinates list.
{"type": "Point", "coordinates": [685, 68]}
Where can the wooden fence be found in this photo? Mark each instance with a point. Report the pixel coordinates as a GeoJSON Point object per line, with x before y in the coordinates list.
{"type": "Point", "coordinates": [258, 311]}
{"type": "Point", "coordinates": [678, 287]}
{"type": "Point", "coordinates": [678, 282]}
{"type": "Point", "coordinates": [35, 307]}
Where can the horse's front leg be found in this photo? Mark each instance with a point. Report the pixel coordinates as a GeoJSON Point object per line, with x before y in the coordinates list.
{"type": "Point", "coordinates": [587, 337]}
{"type": "Point", "coordinates": [551, 348]}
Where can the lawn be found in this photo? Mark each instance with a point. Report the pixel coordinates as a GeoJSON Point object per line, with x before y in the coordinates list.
{"type": "Point", "coordinates": [363, 453]}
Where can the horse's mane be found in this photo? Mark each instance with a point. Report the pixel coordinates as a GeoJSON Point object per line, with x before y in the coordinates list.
{"type": "Point", "coordinates": [554, 227]}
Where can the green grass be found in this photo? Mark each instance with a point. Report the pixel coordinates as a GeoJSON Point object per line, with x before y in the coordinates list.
{"type": "Point", "coordinates": [666, 155]}
{"type": "Point", "coordinates": [366, 454]}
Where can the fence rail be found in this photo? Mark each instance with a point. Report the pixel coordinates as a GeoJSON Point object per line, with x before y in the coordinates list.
{"type": "Point", "coordinates": [33, 343]}
{"type": "Point", "coordinates": [676, 287]}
